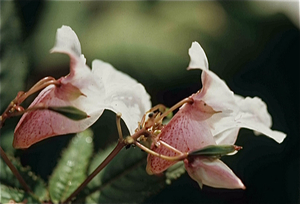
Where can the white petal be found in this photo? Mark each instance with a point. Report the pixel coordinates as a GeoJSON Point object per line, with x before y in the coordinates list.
{"type": "Point", "coordinates": [198, 57]}
{"type": "Point", "coordinates": [67, 42]}
{"type": "Point", "coordinates": [227, 137]}
{"type": "Point", "coordinates": [253, 115]}
{"type": "Point", "coordinates": [256, 107]}
{"type": "Point", "coordinates": [123, 94]}
{"type": "Point", "coordinates": [213, 172]}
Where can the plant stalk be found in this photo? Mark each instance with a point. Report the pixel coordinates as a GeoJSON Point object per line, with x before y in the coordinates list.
{"type": "Point", "coordinates": [115, 151]}
{"type": "Point", "coordinates": [15, 171]}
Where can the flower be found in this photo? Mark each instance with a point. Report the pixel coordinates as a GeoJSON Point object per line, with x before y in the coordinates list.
{"type": "Point", "coordinates": [91, 91]}
{"type": "Point", "coordinates": [214, 118]}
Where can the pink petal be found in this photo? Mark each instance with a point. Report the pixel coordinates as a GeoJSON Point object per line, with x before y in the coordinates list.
{"type": "Point", "coordinates": [212, 172]}
{"type": "Point", "coordinates": [186, 131]}
{"type": "Point", "coordinates": [80, 89]}
{"type": "Point", "coordinates": [38, 125]}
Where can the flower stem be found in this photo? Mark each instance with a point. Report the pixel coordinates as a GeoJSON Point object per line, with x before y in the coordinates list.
{"type": "Point", "coordinates": [115, 151]}
{"type": "Point", "coordinates": [149, 151]}
{"type": "Point", "coordinates": [169, 147]}
{"type": "Point", "coordinates": [37, 87]}
{"type": "Point", "coordinates": [177, 105]}
{"type": "Point", "coordinates": [118, 122]}
{"type": "Point", "coordinates": [14, 171]}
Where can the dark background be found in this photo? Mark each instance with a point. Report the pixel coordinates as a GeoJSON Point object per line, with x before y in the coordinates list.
{"type": "Point", "coordinates": [253, 46]}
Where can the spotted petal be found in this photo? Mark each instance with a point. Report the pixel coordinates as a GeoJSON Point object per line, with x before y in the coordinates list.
{"type": "Point", "coordinates": [186, 131]}
{"type": "Point", "coordinates": [79, 89]}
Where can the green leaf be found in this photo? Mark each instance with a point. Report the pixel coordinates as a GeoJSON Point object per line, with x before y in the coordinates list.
{"type": "Point", "coordinates": [36, 184]}
{"type": "Point", "coordinates": [9, 194]}
{"type": "Point", "coordinates": [174, 172]}
{"type": "Point", "coordinates": [70, 112]}
{"type": "Point", "coordinates": [215, 150]}
{"type": "Point", "coordinates": [70, 171]}
{"type": "Point", "coordinates": [124, 179]}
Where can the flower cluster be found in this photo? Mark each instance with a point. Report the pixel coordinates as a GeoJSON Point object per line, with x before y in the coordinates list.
{"type": "Point", "coordinates": [212, 116]}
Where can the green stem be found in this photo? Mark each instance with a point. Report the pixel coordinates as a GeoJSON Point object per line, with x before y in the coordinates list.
{"type": "Point", "coordinates": [14, 171]}
{"type": "Point", "coordinates": [122, 143]}
{"type": "Point", "coordinates": [115, 151]}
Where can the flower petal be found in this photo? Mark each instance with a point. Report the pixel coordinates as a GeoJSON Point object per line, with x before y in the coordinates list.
{"type": "Point", "coordinates": [186, 131]}
{"type": "Point", "coordinates": [198, 57]}
{"type": "Point", "coordinates": [235, 111]}
{"type": "Point", "coordinates": [38, 125]}
{"type": "Point", "coordinates": [212, 172]}
{"type": "Point", "coordinates": [123, 94]}
{"type": "Point", "coordinates": [80, 89]}
{"type": "Point", "coordinates": [67, 42]}
{"type": "Point", "coordinates": [254, 115]}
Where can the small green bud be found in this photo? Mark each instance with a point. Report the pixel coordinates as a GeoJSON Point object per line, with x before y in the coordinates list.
{"type": "Point", "coordinates": [215, 150]}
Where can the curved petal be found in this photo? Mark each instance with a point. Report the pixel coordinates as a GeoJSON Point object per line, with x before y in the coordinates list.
{"type": "Point", "coordinates": [186, 131]}
{"type": "Point", "coordinates": [253, 115]}
{"type": "Point", "coordinates": [212, 85]}
{"type": "Point", "coordinates": [38, 125]}
{"type": "Point", "coordinates": [80, 89]}
{"type": "Point", "coordinates": [212, 172]}
{"type": "Point", "coordinates": [198, 57]}
{"type": "Point", "coordinates": [226, 137]}
{"type": "Point", "coordinates": [67, 42]}
{"type": "Point", "coordinates": [234, 111]}
{"type": "Point", "coordinates": [123, 94]}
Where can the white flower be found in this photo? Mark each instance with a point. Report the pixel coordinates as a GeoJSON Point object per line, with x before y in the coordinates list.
{"type": "Point", "coordinates": [213, 118]}
{"type": "Point", "coordinates": [91, 91]}
{"type": "Point", "coordinates": [236, 111]}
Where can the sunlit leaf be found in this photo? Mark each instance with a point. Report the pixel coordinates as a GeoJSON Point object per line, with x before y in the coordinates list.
{"type": "Point", "coordinates": [71, 169]}
{"type": "Point", "coordinates": [14, 195]}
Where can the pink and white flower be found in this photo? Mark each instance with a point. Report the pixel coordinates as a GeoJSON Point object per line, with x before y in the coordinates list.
{"type": "Point", "coordinates": [90, 90]}
{"type": "Point", "coordinates": [214, 118]}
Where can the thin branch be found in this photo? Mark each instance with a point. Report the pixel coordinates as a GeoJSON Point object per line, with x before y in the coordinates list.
{"type": "Point", "coordinates": [170, 147]}
{"type": "Point", "coordinates": [14, 171]}
{"type": "Point", "coordinates": [149, 151]}
{"type": "Point", "coordinates": [177, 105]}
{"type": "Point", "coordinates": [114, 152]}
{"type": "Point", "coordinates": [118, 122]}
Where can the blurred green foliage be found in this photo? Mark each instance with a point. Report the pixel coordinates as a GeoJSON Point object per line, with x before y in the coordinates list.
{"type": "Point", "coordinates": [253, 46]}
